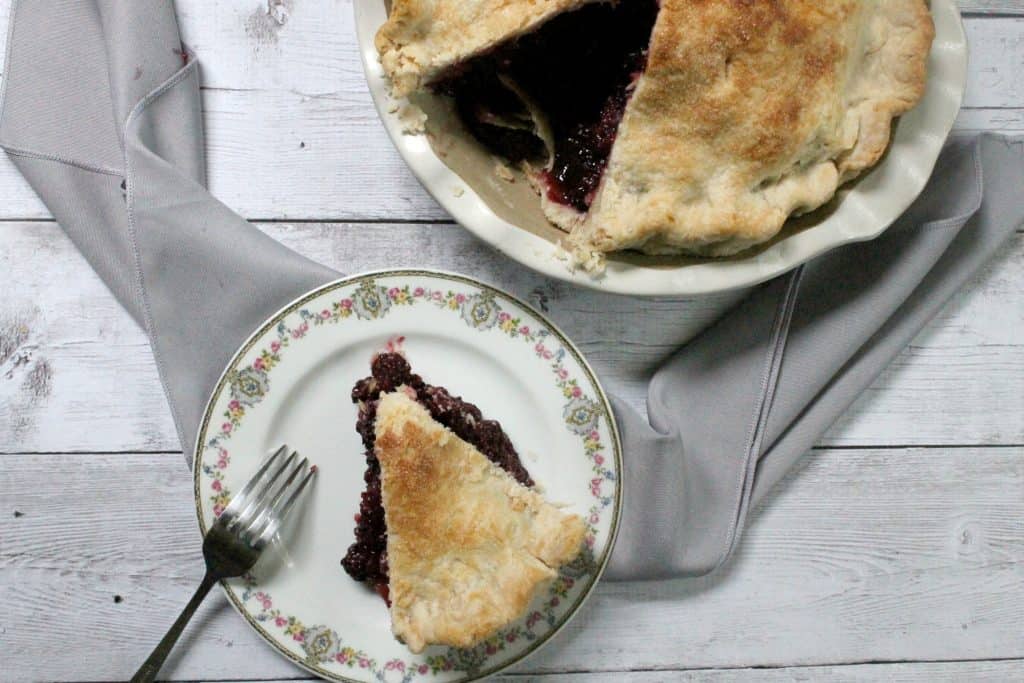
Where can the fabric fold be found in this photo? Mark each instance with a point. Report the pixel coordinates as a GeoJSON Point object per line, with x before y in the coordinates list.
{"type": "Point", "coordinates": [101, 114]}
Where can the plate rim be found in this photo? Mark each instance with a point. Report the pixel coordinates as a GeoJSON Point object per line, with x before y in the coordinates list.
{"type": "Point", "coordinates": [450, 276]}
{"type": "Point", "coordinates": [541, 256]}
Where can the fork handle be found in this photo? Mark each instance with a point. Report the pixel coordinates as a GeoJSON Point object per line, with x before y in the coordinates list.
{"type": "Point", "coordinates": [149, 669]}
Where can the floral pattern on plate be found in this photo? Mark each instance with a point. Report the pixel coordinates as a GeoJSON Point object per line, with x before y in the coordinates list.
{"type": "Point", "coordinates": [323, 649]}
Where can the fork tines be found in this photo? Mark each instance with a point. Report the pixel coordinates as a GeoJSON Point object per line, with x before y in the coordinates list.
{"type": "Point", "coordinates": [257, 511]}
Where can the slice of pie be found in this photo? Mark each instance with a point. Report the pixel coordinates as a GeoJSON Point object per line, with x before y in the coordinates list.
{"type": "Point", "coordinates": [450, 530]}
{"type": "Point", "coordinates": [676, 126]}
{"type": "Point", "coordinates": [468, 545]}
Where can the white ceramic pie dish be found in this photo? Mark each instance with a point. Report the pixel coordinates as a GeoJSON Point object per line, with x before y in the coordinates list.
{"type": "Point", "coordinates": [862, 211]}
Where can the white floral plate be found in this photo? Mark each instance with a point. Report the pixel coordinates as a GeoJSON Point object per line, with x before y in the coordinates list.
{"type": "Point", "coordinates": [291, 382]}
{"type": "Point", "coordinates": [861, 212]}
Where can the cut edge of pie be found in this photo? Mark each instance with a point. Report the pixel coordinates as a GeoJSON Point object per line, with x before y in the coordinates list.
{"type": "Point", "coordinates": [468, 546]}
{"type": "Point", "coordinates": [422, 39]}
{"type": "Point", "coordinates": [741, 115]}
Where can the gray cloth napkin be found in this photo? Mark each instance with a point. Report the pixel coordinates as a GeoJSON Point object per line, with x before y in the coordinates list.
{"type": "Point", "coordinates": [102, 115]}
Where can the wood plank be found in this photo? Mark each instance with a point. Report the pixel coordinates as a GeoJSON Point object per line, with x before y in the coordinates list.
{"type": "Point", "coordinates": [1008, 121]}
{"type": "Point", "coordinates": [991, 6]}
{"type": "Point", "coordinates": [908, 672]}
{"type": "Point", "coordinates": [303, 157]}
{"type": "Point", "coordinates": [73, 356]}
{"type": "Point", "coordinates": [300, 162]}
{"type": "Point", "coordinates": [289, 105]}
{"type": "Point", "coordinates": [66, 325]}
{"type": "Point", "coordinates": [890, 555]}
{"type": "Point", "coordinates": [997, 54]}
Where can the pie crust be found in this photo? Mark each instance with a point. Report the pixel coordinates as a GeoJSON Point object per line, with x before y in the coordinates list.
{"type": "Point", "coordinates": [747, 112]}
{"type": "Point", "coordinates": [423, 38]}
{"type": "Point", "coordinates": [761, 113]}
{"type": "Point", "coordinates": [468, 546]}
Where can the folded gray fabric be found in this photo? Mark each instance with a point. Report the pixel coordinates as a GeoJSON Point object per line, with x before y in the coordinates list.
{"type": "Point", "coordinates": [102, 115]}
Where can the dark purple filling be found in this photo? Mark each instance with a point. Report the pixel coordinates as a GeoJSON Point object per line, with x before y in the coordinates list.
{"type": "Point", "coordinates": [579, 69]}
{"type": "Point", "coordinates": [367, 559]}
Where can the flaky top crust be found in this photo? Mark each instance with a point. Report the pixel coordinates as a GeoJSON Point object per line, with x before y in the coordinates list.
{"type": "Point", "coordinates": [750, 111]}
{"type": "Point", "coordinates": [422, 38]}
{"type": "Point", "coordinates": [468, 546]}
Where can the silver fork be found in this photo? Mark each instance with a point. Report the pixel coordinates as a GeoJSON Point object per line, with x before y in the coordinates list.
{"type": "Point", "coordinates": [236, 540]}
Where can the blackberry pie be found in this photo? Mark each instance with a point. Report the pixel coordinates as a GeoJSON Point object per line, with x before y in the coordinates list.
{"type": "Point", "coordinates": [451, 531]}
{"type": "Point", "coordinates": [669, 126]}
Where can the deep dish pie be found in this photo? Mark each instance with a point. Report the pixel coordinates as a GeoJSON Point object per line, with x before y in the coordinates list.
{"type": "Point", "coordinates": [450, 529]}
{"type": "Point", "coordinates": [694, 126]}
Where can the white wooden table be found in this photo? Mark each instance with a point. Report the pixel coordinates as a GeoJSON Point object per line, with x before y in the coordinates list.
{"type": "Point", "coordinates": [896, 550]}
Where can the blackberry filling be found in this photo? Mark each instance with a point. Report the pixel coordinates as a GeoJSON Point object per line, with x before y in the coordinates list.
{"type": "Point", "coordinates": [578, 69]}
{"type": "Point", "coordinates": [366, 559]}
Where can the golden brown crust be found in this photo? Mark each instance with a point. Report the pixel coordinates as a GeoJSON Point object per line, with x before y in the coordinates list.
{"type": "Point", "coordinates": [422, 38]}
{"type": "Point", "coordinates": [750, 111]}
{"type": "Point", "coordinates": [468, 546]}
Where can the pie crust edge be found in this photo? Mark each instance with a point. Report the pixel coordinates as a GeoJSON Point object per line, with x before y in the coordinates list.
{"type": "Point", "coordinates": [423, 38]}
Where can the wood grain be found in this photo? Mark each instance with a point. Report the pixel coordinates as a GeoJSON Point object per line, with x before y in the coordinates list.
{"type": "Point", "coordinates": [1005, 7]}
{"type": "Point", "coordinates": [892, 555]}
{"type": "Point", "coordinates": [961, 382]}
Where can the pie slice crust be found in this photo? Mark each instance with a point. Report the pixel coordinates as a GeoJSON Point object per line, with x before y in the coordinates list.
{"type": "Point", "coordinates": [468, 546]}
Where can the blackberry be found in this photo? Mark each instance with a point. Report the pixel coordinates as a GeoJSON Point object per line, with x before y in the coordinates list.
{"type": "Point", "coordinates": [355, 561]}
{"type": "Point", "coordinates": [365, 390]}
{"type": "Point", "coordinates": [390, 370]}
